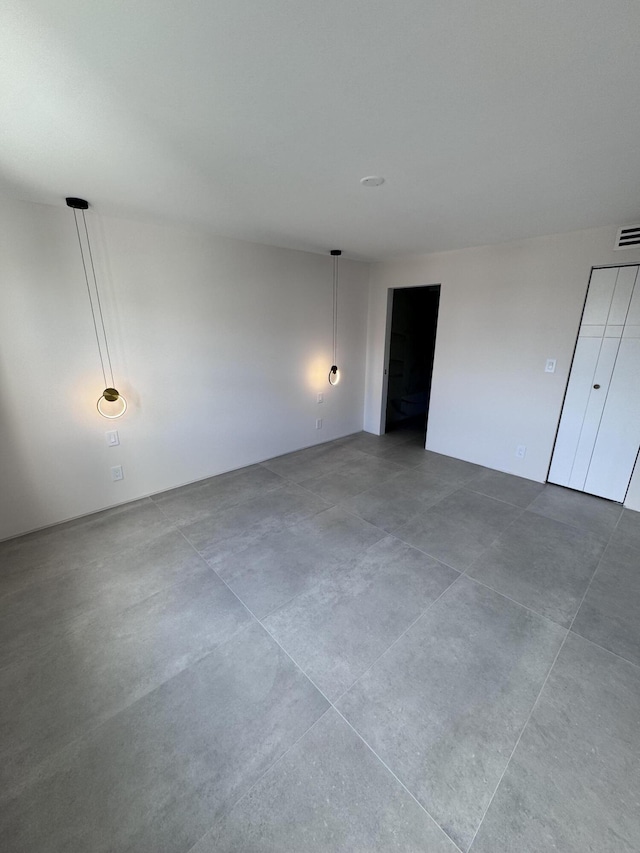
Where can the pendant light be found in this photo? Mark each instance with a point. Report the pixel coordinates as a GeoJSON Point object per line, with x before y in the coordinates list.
{"type": "Point", "coordinates": [334, 373]}
{"type": "Point", "coordinates": [111, 403]}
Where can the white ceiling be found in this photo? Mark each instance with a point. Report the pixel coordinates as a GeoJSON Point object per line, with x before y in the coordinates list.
{"type": "Point", "coordinates": [490, 120]}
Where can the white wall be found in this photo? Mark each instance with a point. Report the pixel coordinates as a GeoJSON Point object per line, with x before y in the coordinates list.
{"type": "Point", "coordinates": [219, 346]}
{"type": "Point", "coordinates": [503, 311]}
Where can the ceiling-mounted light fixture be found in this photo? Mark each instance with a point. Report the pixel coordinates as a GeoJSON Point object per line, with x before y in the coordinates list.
{"type": "Point", "coordinates": [111, 403]}
{"type": "Point", "coordinates": [334, 373]}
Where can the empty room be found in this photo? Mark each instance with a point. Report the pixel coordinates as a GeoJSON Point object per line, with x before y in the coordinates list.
{"type": "Point", "coordinates": [320, 419]}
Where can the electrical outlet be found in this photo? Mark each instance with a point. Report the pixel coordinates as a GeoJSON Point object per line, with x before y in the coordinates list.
{"type": "Point", "coordinates": [521, 451]}
{"type": "Point", "coordinates": [320, 398]}
{"type": "Point", "coordinates": [550, 366]}
{"type": "Point", "coordinates": [319, 423]}
{"type": "Point", "coordinates": [113, 439]}
{"type": "Point", "coordinates": [116, 473]}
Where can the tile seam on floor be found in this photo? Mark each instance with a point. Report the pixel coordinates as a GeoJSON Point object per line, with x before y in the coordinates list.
{"type": "Point", "coordinates": [579, 527]}
{"type": "Point", "coordinates": [398, 638]}
{"type": "Point", "coordinates": [338, 565]}
{"type": "Point", "coordinates": [355, 494]}
{"type": "Point", "coordinates": [535, 704]}
{"type": "Point", "coordinates": [398, 780]}
{"type": "Point", "coordinates": [331, 704]}
{"type": "Point", "coordinates": [71, 630]}
{"type": "Point", "coordinates": [271, 767]}
{"type": "Point", "coordinates": [302, 592]}
{"type": "Point", "coordinates": [513, 601]}
{"type": "Point", "coordinates": [225, 506]}
{"type": "Point", "coordinates": [33, 774]}
{"type": "Point", "coordinates": [484, 494]}
{"type": "Point", "coordinates": [605, 649]}
{"type": "Point", "coordinates": [369, 747]}
{"type": "Point", "coordinates": [583, 599]}
{"type": "Point", "coordinates": [439, 559]}
{"type": "Point", "coordinates": [284, 523]}
{"type": "Point", "coordinates": [518, 739]}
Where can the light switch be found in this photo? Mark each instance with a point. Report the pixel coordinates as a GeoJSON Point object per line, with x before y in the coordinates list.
{"type": "Point", "coordinates": [550, 366]}
{"type": "Point", "coordinates": [113, 439]}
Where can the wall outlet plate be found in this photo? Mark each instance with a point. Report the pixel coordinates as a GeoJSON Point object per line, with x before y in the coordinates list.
{"type": "Point", "coordinates": [521, 451]}
{"type": "Point", "coordinates": [319, 423]}
{"type": "Point", "coordinates": [117, 473]}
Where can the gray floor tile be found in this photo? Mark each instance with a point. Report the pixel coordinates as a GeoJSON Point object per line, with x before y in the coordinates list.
{"type": "Point", "coordinates": [200, 500]}
{"type": "Point", "coordinates": [328, 794]}
{"type": "Point", "coordinates": [542, 564]}
{"type": "Point", "coordinates": [627, 532]}
{"type": "Point", "coordinates": [50, 552]}
{"type": "Point", "coordinates": [444, 706]}
{"type": "Point", "coordinates": [352, 478]}
{"type": "Point", "coordinates": [573, 783]}
{"type": "Point", "coordinates": [459, 527]}
{"type": "Point", "coordinates": [391, 504]}
{"type": "Point", "coordinates": [236, 527]}
{"type": "Point", "coordinates": [595, 514]}
{"type": "Point", "coordinates": [313, 461]}
{"type": "Point", "coordinates": [39, 613]}
{"type": "Point", "coordinates": [379, 445]}
{"type": "Point", "coordinates": [96, 670]}
{"type": "Point", "coordinates": [282, 565]}
{"type": "Point", "coordinates": [339, 628]}
{"type": "Point", "coordinates": [408, 454]}
{"type": "Point", "coordinates": [450, 469]}
{"type": "Point", "coordinates": [505, 487]}
{"type": "Point", "coordinates": [157, 776]}
{"type": "Point", "coordinates": [610, 613]}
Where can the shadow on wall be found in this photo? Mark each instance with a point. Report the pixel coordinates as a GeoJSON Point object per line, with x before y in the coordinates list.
{"type": "Point", "coordinates": [15, 467]}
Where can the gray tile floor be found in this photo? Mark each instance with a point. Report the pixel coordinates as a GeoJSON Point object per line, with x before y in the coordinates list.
{"type": "Point", "coordinates": [362, 646]}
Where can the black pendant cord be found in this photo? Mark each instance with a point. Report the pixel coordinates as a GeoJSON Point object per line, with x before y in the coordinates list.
{"type": "Point", "coordinates": [335, 309]}
{"type": "Point", "coordinates": [93, 313]}
{"type": "Point", "coordinates": [95, 284]}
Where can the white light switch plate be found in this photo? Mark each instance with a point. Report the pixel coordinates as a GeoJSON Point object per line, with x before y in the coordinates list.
{"type": "Point", "coordinates": [113, 439]}
{"type": "Point", "coordinates": [550, 366]}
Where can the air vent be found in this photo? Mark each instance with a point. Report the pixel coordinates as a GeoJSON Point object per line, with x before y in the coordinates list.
{"type": "Point", "coordinates": [628, 237]}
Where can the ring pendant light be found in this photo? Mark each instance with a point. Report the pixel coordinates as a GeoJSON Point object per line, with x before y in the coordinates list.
{"type": "Point", "coordinates": [111, 403]}
{"type": "Point", "coordinates": [334, 373]}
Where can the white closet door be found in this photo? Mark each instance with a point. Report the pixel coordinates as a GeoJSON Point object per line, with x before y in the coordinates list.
{"type": "Point", "coordinates": [616, 446]}
{"type": "Point", "coordinates": [599, 427]}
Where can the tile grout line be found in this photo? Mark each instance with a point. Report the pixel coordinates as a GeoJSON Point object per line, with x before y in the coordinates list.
{"type": "Point", "coordinates": [535, 704]}
{"type": "Point", "coordinates": [397, 639]}
{"type": "Point", "coordinates": [605, 649]}
{"type": "Point", "coordinates": [398, 780]}
{"type": "Point", "coordinates": [331, 704]}
{"type": "Point", "coordinates": [513, 601]}
{"type": "Point", "coordinates": [263, 774]}
{"type": "Point", "coordinates": [439, 559]}
{"type": "Point", "coordinates": [370, 748]}
{"type": "Point", "coordinates": [522, 730]}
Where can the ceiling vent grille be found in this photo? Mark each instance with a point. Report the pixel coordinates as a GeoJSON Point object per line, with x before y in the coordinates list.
{"type": "Point", "coordinates": [628, 237]}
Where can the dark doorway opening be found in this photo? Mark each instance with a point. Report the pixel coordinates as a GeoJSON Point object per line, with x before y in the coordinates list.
{"type": "Point", "coordinates": [412, 343]}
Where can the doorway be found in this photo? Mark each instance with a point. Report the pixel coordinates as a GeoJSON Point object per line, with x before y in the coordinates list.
{"type": "Point", "coordinates": [411, 348]}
